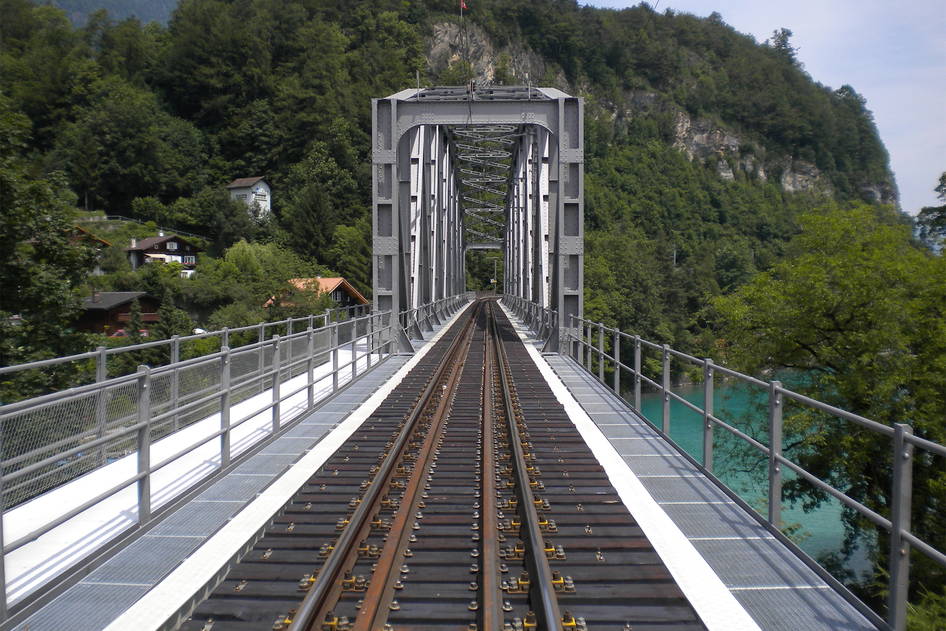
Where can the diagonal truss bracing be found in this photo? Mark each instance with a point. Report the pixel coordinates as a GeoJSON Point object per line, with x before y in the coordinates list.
{"type": "Point", "coordinates": [456, 169]}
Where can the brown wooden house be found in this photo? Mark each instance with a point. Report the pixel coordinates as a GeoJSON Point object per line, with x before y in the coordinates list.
{"type": "Point", "coordinates": [109, 311]}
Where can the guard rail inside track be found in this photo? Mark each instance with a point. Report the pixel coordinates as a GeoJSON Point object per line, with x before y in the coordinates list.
{"type": "Point", "coordinates": [467, 500]}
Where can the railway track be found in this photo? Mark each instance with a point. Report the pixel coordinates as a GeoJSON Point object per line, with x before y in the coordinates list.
{"type": "Point", "coordinates": [466, 501]}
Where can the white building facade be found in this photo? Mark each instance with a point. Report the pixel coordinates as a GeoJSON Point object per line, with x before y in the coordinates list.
{"type": "Point", "coordinates": [254, 192]}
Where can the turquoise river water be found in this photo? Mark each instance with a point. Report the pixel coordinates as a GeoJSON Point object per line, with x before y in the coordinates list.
{"type": "Point", "coordinates": [818, 532]}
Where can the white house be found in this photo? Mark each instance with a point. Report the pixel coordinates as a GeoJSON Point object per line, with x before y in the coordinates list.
{"type": "Point", "coordinates": [254, 192]}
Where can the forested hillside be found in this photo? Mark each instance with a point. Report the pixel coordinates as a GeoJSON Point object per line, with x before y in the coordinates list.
{"type": "Point", "coordinates": [702, 146]}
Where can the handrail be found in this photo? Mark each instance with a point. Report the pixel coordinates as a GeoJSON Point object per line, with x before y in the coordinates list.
{"type": "Point", "coordinates": [584, 346]}
{"type": "Point", "coordinates": [152, 403]}
{"type": "Point", "coordinates": [328, 316]}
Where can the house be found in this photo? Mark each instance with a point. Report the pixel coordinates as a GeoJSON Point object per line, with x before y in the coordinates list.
{"type": "Point", "coordinates": [337, 287]}
{"type": "Point", "coordinates": [109, 311]}
{"type": "Point", "coordinates": [254, 192]}
{"type": "Point", "coordinates": [78, 234]}
{"type": "Point", "coordinates": [163, 249]}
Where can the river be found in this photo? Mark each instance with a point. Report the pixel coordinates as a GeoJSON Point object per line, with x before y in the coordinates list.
{"type": "Point", "coordinates": [819, 532]}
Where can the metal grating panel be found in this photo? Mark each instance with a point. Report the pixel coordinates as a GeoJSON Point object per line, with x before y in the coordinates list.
{"type": "Point", "coordinates": [241, 487]}
{"type": "Point", "coordinates": [626, 431]}
{"type": "Point", "coordinates": [714, 520]}
{"type": "Point", "coordinates": [755, 563]}
{"type": "Point", "coordinates": [684, 490]}
{"type": "Point", "coordinates": [802, 610]}
{"type": "Point", "coordinates": [269, 464]}
{"type": "Point", "coordinates": [664, 465]}
{"type": "Point", "coordinates": [146, 561]}
{"type": "Point", "coordinates": [199, 518]}
{"type": "Point", "coordinates": [85, 607]}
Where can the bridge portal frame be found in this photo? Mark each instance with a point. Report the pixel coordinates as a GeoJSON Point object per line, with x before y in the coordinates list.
{"type": "Point", "coordinates": [419, 247]}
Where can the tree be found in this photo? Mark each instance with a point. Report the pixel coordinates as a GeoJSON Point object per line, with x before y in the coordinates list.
{"type": "Point", "coordinates": [321, 195]}
{"type": "Point", "coordinates": [781, 43]}
{"type": "Point", "coordinates": [932, 219]}
{"type": "Point", "coordinates": [41, 267]}
{"type": "Point", "coordinates": [855, 312]}
{"type": "Point", "coordinates": [123, 146]}
{"type": "Point", "coordinates": [350, 254]}
{"type": "Point", "coordinates": [135, 323]}
{"type": "Point", "coordinates": [171, 320]}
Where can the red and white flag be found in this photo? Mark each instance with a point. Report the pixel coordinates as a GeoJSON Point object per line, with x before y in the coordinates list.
{"type": "Point", "coordinates": [463, 5]}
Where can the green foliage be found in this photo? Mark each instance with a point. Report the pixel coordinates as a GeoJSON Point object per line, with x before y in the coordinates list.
{"type": "Point", "coordinates": [122, 145]}
{"type": "Point", "coordinates": [929, 613]}
{"type": "Point", "coordinates": [932, 219]}
{"type": "Point", "coordinates": [855, 307]}
{"type": "Point", "coordinates": [40, 266]}
{"type": "Point", "coordinates": [459, 72]}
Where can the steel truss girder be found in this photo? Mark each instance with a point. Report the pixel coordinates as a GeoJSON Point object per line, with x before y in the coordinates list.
{"type": "Point", "coordinates": [418, 203]}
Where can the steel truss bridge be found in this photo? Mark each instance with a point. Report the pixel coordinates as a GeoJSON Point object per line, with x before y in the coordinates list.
{"type": "Point", "coordinates": [458, 169]}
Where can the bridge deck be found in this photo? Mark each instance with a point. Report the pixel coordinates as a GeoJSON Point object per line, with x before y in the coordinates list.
{"type": "Point", "coordinates": [736, 573]}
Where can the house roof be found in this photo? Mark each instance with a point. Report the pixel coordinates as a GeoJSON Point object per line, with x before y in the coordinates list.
{"type": "Point", "coordinates": [150, 242]}
{"type": "Point", "coordinates": [81, 233]}
{"type": "Point", "coordinates": [328, 285]}
{"type": "Point", "coordinates": [107, 300]}
{"type": "Point", "coordinates": [244, 182]}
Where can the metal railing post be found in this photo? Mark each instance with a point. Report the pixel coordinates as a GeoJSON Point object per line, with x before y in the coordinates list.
{"type": "Point", "coordinates": [665, 389]}
{"type": "Point", "coordinates": [370, 337]}
{"type": "Point", "coordinates": [262, 356]}
{"type": "Point", "coordinates": [276, 377]}
{"type": "Point", "coordinates": [586, 347]}
{"type": "Point", "coordinates": [901, 504]}
{"type": "Point", "coordinates": [175, 380]}
{"type": "Point", "coordinates": [775, 451]}
{"type": "Point", "coordinates": [333, 341]}
{"type": "Point", "coordinates": [144, 444]}
{"type": "Point", "coordinates": [708, 391]}
{"type": "Point", "coordinates": [310, 358]}
{"type": "Point", "coordinates": [354, 349]}
{"type": "Point", "coordinates": [101, 408]}
{"type": "Point", "coordinates": [572, 342]}
{"type": "Point", "coordinates": [601, 352]}
{"type": "Point", "coordinates": [225, 337]}
{"type": "Point", "coordinates": [3, 558]}
{"type": "Point", "coordinates": [225, 407]}
{"type": "Point", "coordinates": [637, 372]}
{"type": "Point", "coordinates": [616, 353]}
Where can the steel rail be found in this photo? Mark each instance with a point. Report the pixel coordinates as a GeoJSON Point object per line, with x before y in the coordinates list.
{"type": "Point", "coordinates": [381, 589]}
{"type": "Point", "coordinates": [490, 587]}
{"type": "Point", "coordinates": [541, 591]}
{"type": "Point", "coordinates": [328, 582]}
